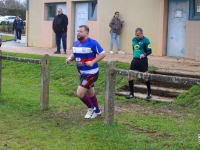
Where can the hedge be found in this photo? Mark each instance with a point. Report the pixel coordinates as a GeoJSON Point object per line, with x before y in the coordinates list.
{"type": "Point", "coordinates": [13, 12]}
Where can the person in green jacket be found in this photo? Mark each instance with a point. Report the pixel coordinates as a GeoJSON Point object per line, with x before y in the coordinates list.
{"type": "Point", "coordinates": [141, 49]}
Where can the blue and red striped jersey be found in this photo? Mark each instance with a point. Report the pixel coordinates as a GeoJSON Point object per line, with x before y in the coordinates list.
{"type": "Point", "coordinates": [84, 51]}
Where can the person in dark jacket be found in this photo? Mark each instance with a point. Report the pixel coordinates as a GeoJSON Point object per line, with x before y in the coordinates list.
{"type": "Point", "coordinates": [0, 40]}
{"type": "Point", "coordinates": [14, 30]}
{"type": "Point", "coordinates": [18, 26]}
{"type": "Point", "coordinates": [60, 24]}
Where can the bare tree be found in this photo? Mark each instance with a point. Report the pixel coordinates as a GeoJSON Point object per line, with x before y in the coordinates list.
{"type": "Point", "coordinates": [12, 4]}
{"type": "Point", "coordinates": [24, 3]}
{"type": "Point", "coordinates": [2, 4]}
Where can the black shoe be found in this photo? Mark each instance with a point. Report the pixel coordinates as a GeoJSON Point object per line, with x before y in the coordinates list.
{"type": "Point", "coordinates": [65, 52]}
{"type": "Point", "coordinates": [56, 52]}
{"type": "Point", "coordinates": [130, 96]}
{"type": "Point", "coordinates": [149, 95]}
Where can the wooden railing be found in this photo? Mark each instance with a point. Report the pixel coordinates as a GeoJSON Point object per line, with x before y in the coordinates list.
{"type": "Point", "coordinates": [44, 92]}
{"type": "Point", "coordinates": [111, 72]}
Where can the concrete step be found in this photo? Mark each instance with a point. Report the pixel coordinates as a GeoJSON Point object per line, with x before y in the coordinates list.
{"type": "Point", "coordinates": [156, 90]}
{"type": "Point", "coordinates": [181, 73]}
{"type": "Point", "coordinates": [169, 85]}
{"type": "Point", "coordinates": [160, 91]}
{"type": "Point", "coordinates": [143, 96]}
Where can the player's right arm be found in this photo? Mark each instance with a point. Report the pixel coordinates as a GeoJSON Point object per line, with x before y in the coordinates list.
{"type": "Point", "coordinates": [70, 58]}
{"type": "Point", "coordinates": [134, 42]}
{"type": "Point", "coordinates": [112, 24]}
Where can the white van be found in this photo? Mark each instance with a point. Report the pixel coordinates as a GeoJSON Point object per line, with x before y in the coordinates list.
{"type": "Point", "coordinates": [9, 19]}
{"type": "Point", "coordinates": [2, 20]}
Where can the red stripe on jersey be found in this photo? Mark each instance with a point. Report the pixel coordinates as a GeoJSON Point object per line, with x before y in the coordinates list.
{"type": "Point", "coordinates": [87, 59]}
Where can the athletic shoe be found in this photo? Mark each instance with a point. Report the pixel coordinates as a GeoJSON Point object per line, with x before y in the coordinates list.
{"type": "Point", "coordinates": [65, 52]}
{"type": "Point", "coordinates": [130, 96]}
{"type": "Point", "coordinates": [149, 95]}
{"type": "Point", "coordinates": [19, 41]}
{"type": "Point", "coordinates": [111, 52]}
{"type": "Point", "coordinates": [89, 113]}
{"type": "Point", "coordinates": [121, 52]}
{"type": "Point", "coordinates": [94, 115]}
{"type": "Point", "coordinates": [56, 52]}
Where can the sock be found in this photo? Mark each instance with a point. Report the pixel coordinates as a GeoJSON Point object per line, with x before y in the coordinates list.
{"type": "Point", "coordinates": [131, 84]}
{"type": "Point", "coordinates": [148, 86]}
{"type": "Point", "coordinates": [86, 100]}
{"type": "Point", "coordinates": [95, 103]}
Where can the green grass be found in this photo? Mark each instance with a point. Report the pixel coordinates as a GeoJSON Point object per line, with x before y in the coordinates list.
{"type": "Point", "coordinates": [7, 38]}
{"type": "Point", "coordinates": [138, 125]}
{"type": "Point", "coordinates": [190, 99]}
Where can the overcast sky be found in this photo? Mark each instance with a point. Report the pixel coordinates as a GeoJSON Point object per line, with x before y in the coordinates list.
{"type": "Point", "coordinates": [21, 0]}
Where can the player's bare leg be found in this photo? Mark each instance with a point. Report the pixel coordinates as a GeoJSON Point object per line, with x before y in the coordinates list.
{"type": "Point", "coordinates": [84, 97]}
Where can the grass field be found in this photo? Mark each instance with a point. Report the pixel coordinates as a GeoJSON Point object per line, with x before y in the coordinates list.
{"type": "Point", "coordinates": [138, 125]}
{"type": "Point", "coordinates": [7, 38]}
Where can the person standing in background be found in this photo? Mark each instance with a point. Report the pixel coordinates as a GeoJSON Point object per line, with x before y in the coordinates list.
{"type": "Point", "coordinates": [14, 30]}
{"type": "Point", "coordinates": [60, 24]}
{"type": "Point", "coordinates": [115, 30]}
{"type": "Point", "coordinates": [0, 40]}
{"type": "Point", "coordinates": [19, 26]}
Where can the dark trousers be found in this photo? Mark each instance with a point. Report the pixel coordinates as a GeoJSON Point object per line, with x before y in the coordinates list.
{"type": "Point", "coordinates": [59, 37]}
{"type": "Point", "coordinates": [18, 32]}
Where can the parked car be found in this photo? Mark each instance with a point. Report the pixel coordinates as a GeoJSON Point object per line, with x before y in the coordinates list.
{"type": "Point", "coordinates": [2, 20]}
{"type": "Point", "coordinates": [9, 19]}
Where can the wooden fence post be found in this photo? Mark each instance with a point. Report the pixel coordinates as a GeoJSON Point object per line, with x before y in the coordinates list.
{"type": "Point", "coordinates": [44, 94]}
{"type": "Point", "coordinates": [0, 71]}
{"type": "Point", "coordinates": [109, 93]}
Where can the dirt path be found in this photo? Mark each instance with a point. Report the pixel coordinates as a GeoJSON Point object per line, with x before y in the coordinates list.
{"type": "Point", "coordinates": [160, 62]}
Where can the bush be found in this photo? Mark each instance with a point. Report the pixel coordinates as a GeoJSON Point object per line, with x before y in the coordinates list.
{"type": "Point", "coordinates": [13, 12]}
{"type": "Point", "coordinates": [7, 27]}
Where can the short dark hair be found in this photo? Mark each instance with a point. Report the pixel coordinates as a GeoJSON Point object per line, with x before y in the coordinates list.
{"type": "Point", "coordinates": [85, 27]}
{"type": "Point", "coordinates": [139, 29]}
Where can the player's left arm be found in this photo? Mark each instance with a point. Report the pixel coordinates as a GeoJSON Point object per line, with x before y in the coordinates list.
{"type": "Point", "coordinates": [148, 50]}
{"type": "Point", "coordinates": [100, 55]}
